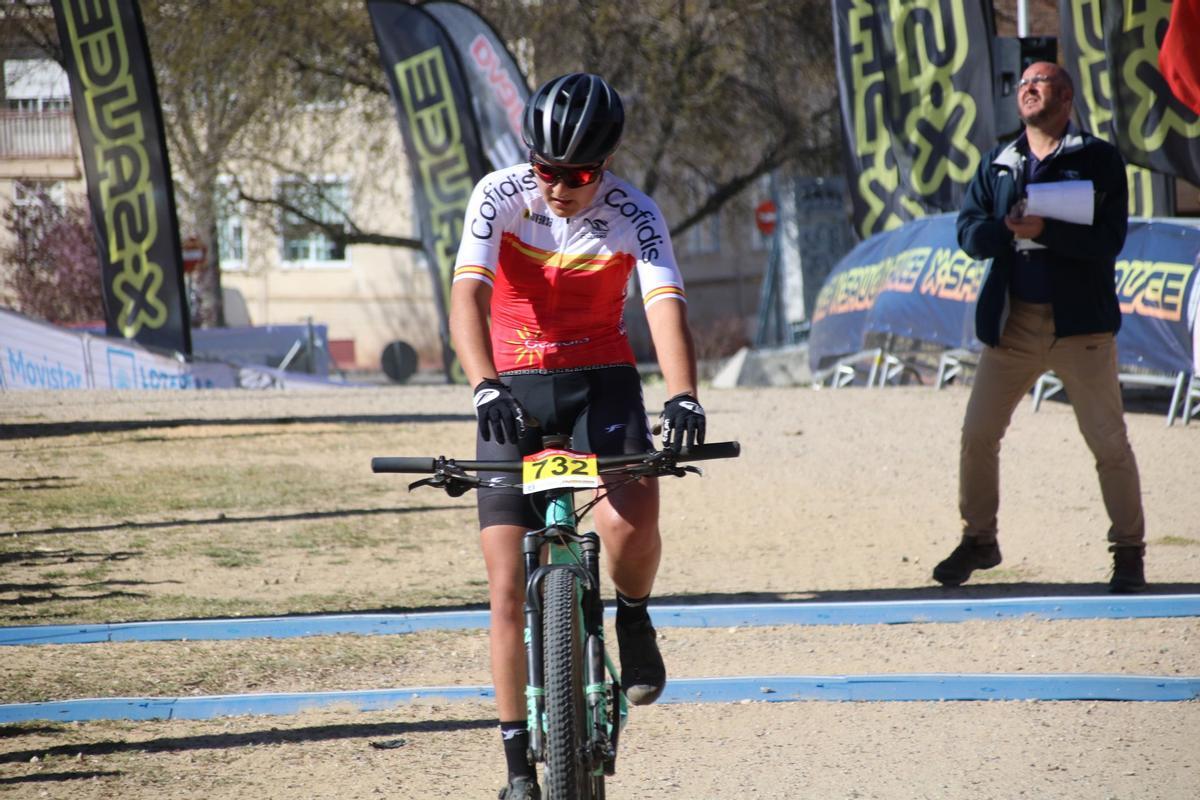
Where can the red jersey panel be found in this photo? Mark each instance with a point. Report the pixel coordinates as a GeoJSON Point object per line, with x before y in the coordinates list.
{"type": "Point", "coordinates": [559, 284]}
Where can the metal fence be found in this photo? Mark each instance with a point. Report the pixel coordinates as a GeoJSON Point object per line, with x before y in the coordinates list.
{"type": "Point", "coordinates": [33, 134]}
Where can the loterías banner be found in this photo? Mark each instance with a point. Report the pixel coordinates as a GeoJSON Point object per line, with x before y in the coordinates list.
{"type": "Point", "coordinates": [915, 83]}
{"type": "Point", "coordinates": [1153, 128]}
{"type": "Point", "coordinates": [497, 87]}
{"type": "Point", "coordinates": [1084, 55]}
{"type": "Point", "coordinates": [455, 88]}
{"type": "Point", "coordinates": [120, 128]}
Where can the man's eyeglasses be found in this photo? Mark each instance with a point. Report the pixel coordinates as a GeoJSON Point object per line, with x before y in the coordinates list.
{"type": "Point", "coordinates": [572, 177]}
{"type": "Point", "coordinates": [1021, 84]}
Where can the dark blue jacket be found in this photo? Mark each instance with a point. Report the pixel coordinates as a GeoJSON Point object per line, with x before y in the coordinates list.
{"type": "Point", "coordinates": [1082, 276]}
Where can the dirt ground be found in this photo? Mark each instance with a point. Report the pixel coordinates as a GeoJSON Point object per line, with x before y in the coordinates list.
{"type": "Point", "coordinates": [125, 506]}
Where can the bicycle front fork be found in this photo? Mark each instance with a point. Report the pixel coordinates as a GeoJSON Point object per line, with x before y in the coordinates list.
{"type": "Point", "coordinates": [585, 562]}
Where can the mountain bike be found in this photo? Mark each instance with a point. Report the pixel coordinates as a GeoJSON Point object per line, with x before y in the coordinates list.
{"type": "Point", "coordinates": [575, 704]}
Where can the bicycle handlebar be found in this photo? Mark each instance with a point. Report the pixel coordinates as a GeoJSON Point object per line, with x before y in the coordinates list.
{"type": "Point", "coordinates": [426, 465]}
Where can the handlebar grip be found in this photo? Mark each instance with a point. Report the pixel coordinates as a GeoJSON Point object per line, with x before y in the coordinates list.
{"type": "Point", "coordinates": [703, 452]}
{"type": "Point", "coordinates": [402, 464]}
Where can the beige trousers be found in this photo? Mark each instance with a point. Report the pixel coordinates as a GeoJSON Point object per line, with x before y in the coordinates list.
{"type": "Point", "coordinates": [1087, 366]}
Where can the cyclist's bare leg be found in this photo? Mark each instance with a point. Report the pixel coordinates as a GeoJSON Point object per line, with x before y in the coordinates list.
{"type": "Point", "coordinates": [501, 545]}
{"type": "Point", "coordinates": [627, 521]}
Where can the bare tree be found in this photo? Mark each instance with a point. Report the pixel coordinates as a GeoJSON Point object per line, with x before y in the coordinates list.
{"type": "Point", "coordinates": [719, 93]}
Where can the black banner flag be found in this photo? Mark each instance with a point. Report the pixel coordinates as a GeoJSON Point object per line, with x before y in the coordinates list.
{"type": "Point", "coordinates": [498, 89]}
{"type": "Point", "coordinates": [1153, 128]}
{"type": "Point", "coordinates": [915, 81]}
{"type": "Point", "coordinates": [430, 93]}
{"type": "Point", "coordinates": [128, 175]}
{"type": "Point", "coordinates": [1082, 39]}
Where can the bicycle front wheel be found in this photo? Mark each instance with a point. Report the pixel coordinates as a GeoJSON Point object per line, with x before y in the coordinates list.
{"type": "Point", "coordinates": [567, 776]}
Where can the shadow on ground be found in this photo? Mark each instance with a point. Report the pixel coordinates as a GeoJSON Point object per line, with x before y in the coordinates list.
{"type": "Point", "coordinates": [224, 741]}
{"type": "Point", "coordinates": [41, 430]}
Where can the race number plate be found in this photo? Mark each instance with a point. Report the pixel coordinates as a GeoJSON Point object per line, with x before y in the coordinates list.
{"type": "Point", "coordinates": [559, 469]}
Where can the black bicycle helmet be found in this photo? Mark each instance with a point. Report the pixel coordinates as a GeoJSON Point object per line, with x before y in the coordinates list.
{"type": "Point", "coordinates": [574, 119]}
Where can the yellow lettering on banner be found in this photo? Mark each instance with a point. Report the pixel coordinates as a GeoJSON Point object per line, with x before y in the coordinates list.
{"type": "Point", "coordinates": [441, 156]}
{"type": "Point", "coordinates": [1095, 86]}
{"type": "Point", "coordinates": [1146, 17]}
{"type": "Point", "coordinates": [879, 178]}
{"type": "Point", "coordinates": [905, 269]}
{"type": "Point", "coordinates": [1094, 78]}
{"type": "Point", "coordinates": [852, 290]}
{"type": "Point", "coordinates": [115, 116]}
{"type": "Point", "coordinates": [1152, 288]}
{"type": "Point", "coordinates": [953, 275]}
{"type": "Point", "coordinates": [929, 51]}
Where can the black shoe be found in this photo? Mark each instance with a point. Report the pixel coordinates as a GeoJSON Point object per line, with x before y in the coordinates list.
{"type": "Point", "coordinates": [1128, 576]}
{"type": "Point", "coordinates": [966, 558]}
{"type": "Point", "coordinates": [643, 674]}
{"type": "Point", "coordinates": [521, 789]}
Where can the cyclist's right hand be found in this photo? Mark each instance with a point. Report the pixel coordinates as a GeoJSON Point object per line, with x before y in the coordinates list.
{"type": "Point", "coordinates": [499, 413]}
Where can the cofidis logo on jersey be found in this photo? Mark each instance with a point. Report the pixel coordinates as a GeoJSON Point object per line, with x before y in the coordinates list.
{"type": "Point", "coordinates": [493, 195]}
{"type": "Point", "coordinates": [645, 222]}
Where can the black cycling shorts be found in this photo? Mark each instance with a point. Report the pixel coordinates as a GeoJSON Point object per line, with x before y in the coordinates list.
{"type": "Point", "coordinates": [601, 409]}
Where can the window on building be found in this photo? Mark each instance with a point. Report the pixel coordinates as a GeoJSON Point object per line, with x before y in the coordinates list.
{"type": "Point", "coordinates": [704, 236]}
{"type": "Point", "coordinates": [306, 243]}
{"type": "Point", "coordinates": [36, 85]}
{"type": "Point", "coordinates": [28, 192]}
{"type": "Point", "coordinates": [231, 228]}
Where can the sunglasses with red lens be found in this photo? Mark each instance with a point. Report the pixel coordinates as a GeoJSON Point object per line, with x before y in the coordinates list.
{"type": "Point", "coordinates": [572, 177]}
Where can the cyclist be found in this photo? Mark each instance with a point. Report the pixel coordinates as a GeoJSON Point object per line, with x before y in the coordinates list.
{"type": "Point", "coordinates": [547, 251]}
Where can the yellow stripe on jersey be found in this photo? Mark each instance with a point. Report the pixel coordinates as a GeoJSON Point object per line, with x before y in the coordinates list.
{"type": "Point", "coordinates": [661, 292]}
{"type": "Point", "coordinates": [553, 259]}
{"type": "Point", "coordinates": [474, 269]}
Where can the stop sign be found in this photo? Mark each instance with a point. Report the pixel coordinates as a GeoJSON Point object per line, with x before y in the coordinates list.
{"type": "Point", "coordinates": [194, 253]}
{"type": "Point", "coordinates": [765, 216]}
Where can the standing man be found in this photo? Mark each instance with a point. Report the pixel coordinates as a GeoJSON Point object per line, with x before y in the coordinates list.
{"type": "Point", "coordinates": [547, 251]}
{"type": "Point", "coordinates": [1048, 303]}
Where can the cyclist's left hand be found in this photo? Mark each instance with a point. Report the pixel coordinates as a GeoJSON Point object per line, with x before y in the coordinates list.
{"type": "Point", "coordinates": [682, 422]}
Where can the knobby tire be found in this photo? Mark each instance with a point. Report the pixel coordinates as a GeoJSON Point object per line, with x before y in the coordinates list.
{"type": "Point", "coordinates": [566, 719]}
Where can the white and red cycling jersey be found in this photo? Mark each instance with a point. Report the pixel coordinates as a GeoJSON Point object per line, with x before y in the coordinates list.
{"type": "Point", "coordinates": [559, 283]}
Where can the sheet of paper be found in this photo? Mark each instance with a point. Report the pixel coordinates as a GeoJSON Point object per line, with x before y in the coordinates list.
{"type": "Point", "coordinates": [1069, 201]}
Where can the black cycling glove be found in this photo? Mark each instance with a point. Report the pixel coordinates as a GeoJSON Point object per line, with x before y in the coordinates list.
{"type": "Point", "coordinates": [499, 413]}
{"type": "Point", "coordinates": [682, 422]}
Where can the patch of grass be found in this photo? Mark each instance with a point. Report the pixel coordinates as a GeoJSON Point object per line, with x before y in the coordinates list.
{"type": "Point", "coordinates": [1177, 541]}
{"type": "Point", "coordinates": [127, 607]}
{"type": "Point", "coordinates": [331, 535]}
{"type": "Point", "coordinates": [95, 573]}
{"type": "Point", "coordinates": [231, 557]}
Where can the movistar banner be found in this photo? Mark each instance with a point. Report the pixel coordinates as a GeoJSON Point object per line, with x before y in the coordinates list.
{"type": "Point", "coordinates": [915, 282]}
{"type": "Point", "coordinates": [129, 178]}
{"type": "Point", "coordinates": [1082, 40]}
{"type": "Point", "coordinates": [440, 134]}
{"type": "Point", "coordinates": [915, 85]}
{"type": "Point", "coordinates": [1153, 128]}
{"type": "Point", "coordinates": [498, 89]}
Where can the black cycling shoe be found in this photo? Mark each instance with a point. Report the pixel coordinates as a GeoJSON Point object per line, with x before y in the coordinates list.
{"type": "Point", "coordinates": [643, 674]}
{"type": "Point", "coordinates": [1128, 575]}
{"type": "Point", "coordinates": [521, 789]}
{"type": "Point", "coordinates": [966, 558]}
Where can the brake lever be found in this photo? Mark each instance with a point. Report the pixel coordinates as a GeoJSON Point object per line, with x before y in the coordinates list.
{"type": "Point", "coordinates": [455, 484]}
